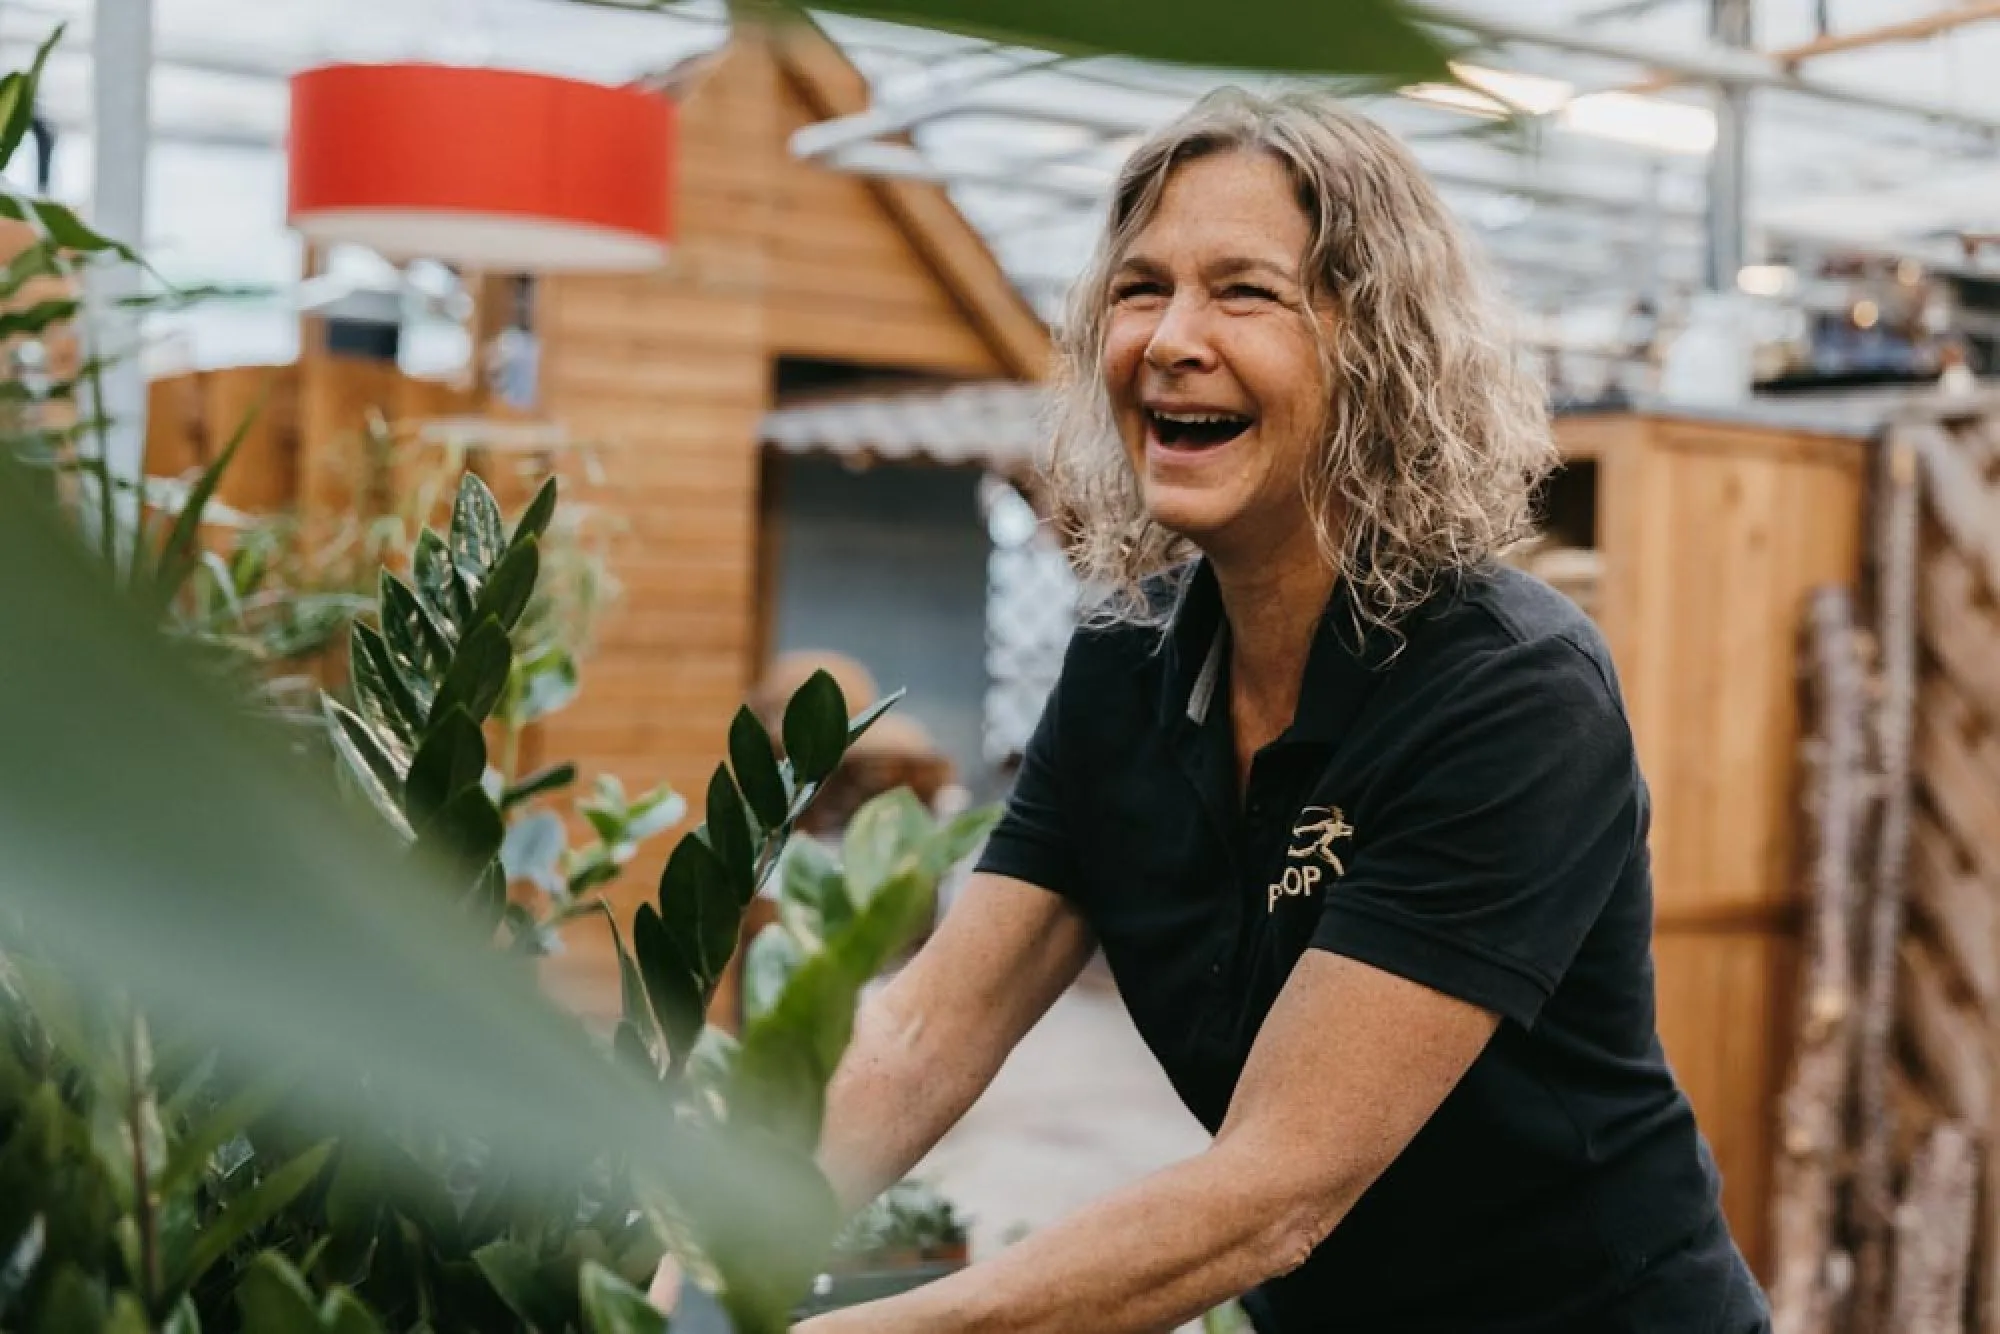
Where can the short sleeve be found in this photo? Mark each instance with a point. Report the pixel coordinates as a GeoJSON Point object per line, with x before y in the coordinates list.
{"type": "Point", "coordinates": [1509, 824]}
{"type": "Point", "coordinates": [1033, 841]}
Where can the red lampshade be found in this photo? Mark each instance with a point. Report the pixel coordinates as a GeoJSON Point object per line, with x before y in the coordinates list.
{"type": "Point", "coordinates": [493, 169]}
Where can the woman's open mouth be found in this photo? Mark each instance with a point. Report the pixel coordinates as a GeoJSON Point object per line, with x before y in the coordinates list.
{"type": "Point", "coordinates": [1195, 430]}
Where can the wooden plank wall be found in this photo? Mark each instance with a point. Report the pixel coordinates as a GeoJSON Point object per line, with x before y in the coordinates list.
{"type": "Point", "coordinates": [1949, 1005]}
{"type": "Point", "coordinates": [1712, 537]}
{"type": "Point", "coordinates": [669, 375]}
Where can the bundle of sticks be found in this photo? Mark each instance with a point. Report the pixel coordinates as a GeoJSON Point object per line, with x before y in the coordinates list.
{"type": "Point", "coordinates": [1875, 1187]}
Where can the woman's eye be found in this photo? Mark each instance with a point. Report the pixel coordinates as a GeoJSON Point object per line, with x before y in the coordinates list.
{"type": "Point", "coordinates": [1135, 291]}
{"type": "Point", "coordinates": [1248, 292]}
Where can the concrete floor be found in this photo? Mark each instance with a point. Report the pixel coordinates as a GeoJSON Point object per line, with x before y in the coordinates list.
{"type": "Point", "coordinates": [1080, 1109]}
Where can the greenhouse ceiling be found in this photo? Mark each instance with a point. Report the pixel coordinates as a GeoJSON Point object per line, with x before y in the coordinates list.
{"type": "Point", "coordinates": [1870, 127]}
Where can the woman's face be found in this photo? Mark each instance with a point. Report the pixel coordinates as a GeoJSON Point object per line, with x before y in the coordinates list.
{"type": "Point", "coordinates": [1210, 362]}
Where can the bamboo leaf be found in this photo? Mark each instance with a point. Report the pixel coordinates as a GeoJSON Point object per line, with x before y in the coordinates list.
{"type": "Point", "coordinates": [38, 319]}
{"type": "Point", "coordinates": [17, 98]}
{"type": "Point", "coordinates": [179, 555]}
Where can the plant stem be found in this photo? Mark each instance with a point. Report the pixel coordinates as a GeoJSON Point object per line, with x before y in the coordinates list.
{"type": "Point", "coordinates": [510, 753]}
{"type": "Point", "coordinates": [142, 1183]}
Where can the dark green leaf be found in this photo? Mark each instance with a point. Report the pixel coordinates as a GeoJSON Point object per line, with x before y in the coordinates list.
{"type": "Point", "coordinates": [363, 768]}
{"type": "Point", "coordinates": [190, 1157]}
{"type": "Point", "coordinates": [467, 830]}
{"type": "Point", "coordinates": [418, 645]}
{"type": "Point", "coordinates": [382, 747]}
{"type": "Point", "coordinates": [535, 519]}
{"type": "Point", "coordinates": [613, 1306]}
{"type": "Point", "coordinates": [437, 582]}
{"type": "Point", "coordinates": [672, 982]}
{"type": "Point", "coordinates": [510, 585]}
{"type": "Point", "coordinates": [729, 834]}
{"type": "Point", "coordinates": [478, 673]}
{"type": "Point", "coordinates": [75, 1301]}
{"type": "Point", "coordinates": [17, 98]}
{"type": "Point", "coordinates": [1371, 39]}
{"type": "Point", "coordinates": [699, 907]}
{"type": "Point", "coordinates": [816, 728]}
{"type": "Point", "coordinates": [869, 716]}
{"type": "Point", "coordinates": [127, 1316]}
{"type": "Point", "coordinates": [529, 1294]}
{"type": "Point", "coordinates": [343, 1313]}
{"type": "Point", "coordinates": [476, 535]}
{"type": "Point", "coordinates": [38, 318]}
{"type": "Point", "coordinates": [552, 779]}
{"type": "Point", "coordinates": [183, 547]}
{"type": "Point", "coordinates": [65, 229]}
{"type": "Point", "coordinates": [385, 699]}
{"type": "Point", "coordinates": [756, 765]}
{"type": "Point", "coordinates": [632, 1005]}
{"type": "Point", "coordinates": [886, 837]}
{"type": "Point", "coordinates": [251, 1211]}
{"type": "Point", "coordinates": [273, 1297]}
{"type": "Point", "coordinates": [533, 850]}
{"type": "Point", "coordinates": [451, 759]}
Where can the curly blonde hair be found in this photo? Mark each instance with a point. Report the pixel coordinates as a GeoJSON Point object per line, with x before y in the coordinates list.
{"type": "Point", "coordinates": [1436, 433]}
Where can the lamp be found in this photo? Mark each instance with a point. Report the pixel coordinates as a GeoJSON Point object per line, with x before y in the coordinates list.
{"type": "Point", "coordinates": [497, 170]}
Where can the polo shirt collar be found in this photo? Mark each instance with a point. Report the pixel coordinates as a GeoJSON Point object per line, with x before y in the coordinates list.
{"type": "Point", "coordinates": [1342, 667]}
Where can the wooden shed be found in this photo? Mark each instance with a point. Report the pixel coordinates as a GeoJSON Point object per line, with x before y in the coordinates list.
{"type": "Point", "coordinates": [783, 274]}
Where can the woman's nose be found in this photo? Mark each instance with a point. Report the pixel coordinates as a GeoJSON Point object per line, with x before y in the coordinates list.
{"type": "Point", "coordinates": [1179, 341]}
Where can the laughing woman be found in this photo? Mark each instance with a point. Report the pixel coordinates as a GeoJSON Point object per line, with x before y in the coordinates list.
{"type": "Point", "coordinates": [1352, 811]}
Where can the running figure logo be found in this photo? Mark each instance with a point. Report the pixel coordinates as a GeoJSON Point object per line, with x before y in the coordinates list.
{"type": "Point", "coordinates": [1313, 837]}
{"type": "Point", "coordinates": [1320, 827]}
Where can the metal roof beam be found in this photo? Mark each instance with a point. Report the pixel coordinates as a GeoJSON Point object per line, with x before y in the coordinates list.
{"type": "Point", "coordinates": [1707, 63]}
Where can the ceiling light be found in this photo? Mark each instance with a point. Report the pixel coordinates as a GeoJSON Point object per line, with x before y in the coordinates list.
{"type": "Point", "coordinates": [1647, 122]}
{"type": "Point", "coordinates": [1865, 314]}
{"type": "Point", "coordinates": [1767, 279]}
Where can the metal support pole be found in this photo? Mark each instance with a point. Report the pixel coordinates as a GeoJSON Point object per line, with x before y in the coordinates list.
{"type": "Point", "coordinates": [1730, 24]}
{"type": "Point", "coordinates": [121, 70]}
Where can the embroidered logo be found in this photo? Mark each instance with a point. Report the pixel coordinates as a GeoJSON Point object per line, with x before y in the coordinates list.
{"type": "Point", "coordinates": [1313, 837]}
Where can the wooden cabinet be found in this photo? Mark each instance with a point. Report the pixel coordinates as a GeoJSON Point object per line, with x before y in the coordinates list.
{"type": "Point", "coordinates": [1710, 535]}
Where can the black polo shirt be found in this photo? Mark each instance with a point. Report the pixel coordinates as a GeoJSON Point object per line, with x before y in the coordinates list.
{"type": "Point", "coordinates": [1467, 813]}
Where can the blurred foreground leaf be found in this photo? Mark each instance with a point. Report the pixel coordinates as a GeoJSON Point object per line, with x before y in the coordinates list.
{"type": "Point", "coordinates": [170, 850]}
{"type": "Point", "coordinates": [1374, 39]}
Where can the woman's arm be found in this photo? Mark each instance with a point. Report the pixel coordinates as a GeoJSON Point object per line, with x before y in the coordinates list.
{"type": "Point", "coordinates": [927, 1045]}
{"type": "Point", "coordinates": [1350, 1064]}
